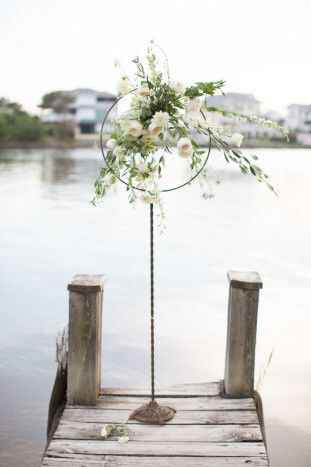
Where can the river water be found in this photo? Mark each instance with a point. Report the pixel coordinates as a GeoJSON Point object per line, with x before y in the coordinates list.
{"type": "Point", "coordinates": [49, 232]}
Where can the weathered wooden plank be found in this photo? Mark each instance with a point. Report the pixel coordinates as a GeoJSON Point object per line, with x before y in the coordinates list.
{"type": "Point", "coordinates": [182, 390]}
{"type": "Point", "coordinates": [65, 448]}
{"type": "Point", "coordinates": [132, 461]}
{"type": "Point", "coordinates": [166, 433]}
{"type": "Point", "coordinates": [179, 403]}
{"type": "Point", "coordinates": [241, 333]}
{"type": "Point", "coordinates": [187, 417]}
{"type": "Point", "coordinates": [85, 304]}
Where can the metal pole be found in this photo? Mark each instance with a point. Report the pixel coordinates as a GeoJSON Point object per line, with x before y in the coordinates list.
{"type": "Point", "coordinates": [152, 412]}
{"type": "Point", "coordinates": [152, 300]}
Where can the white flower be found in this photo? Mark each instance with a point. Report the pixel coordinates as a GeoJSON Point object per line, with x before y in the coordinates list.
{"type": "Point", "coordinates": [184, 147]}
{"type": "Point", "coordinates": [106, 431]}
{"type": "Point", "coordinates": [143, 91]}
{"type": "Point", "coordinates": [118, 152]}
{"type": "Point", "coordinates": [194, 119]}
{"type": "Point", "coordinates": [236, 139]}
{"type": "Point", "coordinates": [158, 123]}
{"type": "Point", "coordinates": [148, 198]}
{"type": "Point", "coordinates": [160, 119]}
{"type": "Point", "coordinates": [194, 105]}
{"type": "Point", "coordinates": [111, 143]}
{"type": "Point", "coordinates": [134, 128]}
{"type": "Point", "coordinates": [179, 87]}
{"type": "Point", "coordinates": [124, 86]}
{"type": "Point", "coordinates": [141, 164]}
{"type": "Point", "coordinates": [123, 439]}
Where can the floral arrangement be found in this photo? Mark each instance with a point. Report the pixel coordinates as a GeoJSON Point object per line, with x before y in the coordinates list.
{"type": "Point", "coordinates": [165, 116]}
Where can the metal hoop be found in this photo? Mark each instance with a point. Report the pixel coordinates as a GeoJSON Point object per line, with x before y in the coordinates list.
{"type": "Point", "coordinates": [136, 187]}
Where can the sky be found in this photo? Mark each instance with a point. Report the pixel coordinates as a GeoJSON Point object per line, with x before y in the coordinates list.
{"type": "Point", "coordinates": [257, 46]}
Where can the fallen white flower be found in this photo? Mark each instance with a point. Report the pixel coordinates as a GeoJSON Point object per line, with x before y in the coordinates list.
{"type": "Point", "coordinates": [106, 431]}
{"type": "Point", "coordinates": [123, 439]}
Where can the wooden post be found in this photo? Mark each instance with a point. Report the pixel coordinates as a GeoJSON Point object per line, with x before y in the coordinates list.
{"type": "Point", "coordinates": [241, 333]}
{"type": "Point", "coordinates": [84, 344]}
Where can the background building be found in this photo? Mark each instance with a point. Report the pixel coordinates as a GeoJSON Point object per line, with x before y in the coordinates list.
{"type": "Point", "coordinates": [299, 122]}
{"type": "Point", "coordinates": [245, 104]}
{"type": "Point", "coordinates": [84, 108]}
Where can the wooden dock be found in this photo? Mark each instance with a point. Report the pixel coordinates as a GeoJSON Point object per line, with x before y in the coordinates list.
{"type": "Point", "coordinates": [217, 424]}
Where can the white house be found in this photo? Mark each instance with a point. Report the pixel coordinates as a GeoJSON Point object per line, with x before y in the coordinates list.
{"type": "Point", "coordinates": [245, 104]}
{"type": "Point", "coordinates": [86, 111]}
{"type": "Point", "coordinates": [299, 121]}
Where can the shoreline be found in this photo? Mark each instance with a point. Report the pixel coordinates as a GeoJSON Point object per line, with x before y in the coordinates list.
{"type": "Point", "coordinates": [79, 144]}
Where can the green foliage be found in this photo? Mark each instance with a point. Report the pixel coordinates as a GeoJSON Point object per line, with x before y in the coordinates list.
{"type": "Point", "coordinates": [17, 125]}
{"type": "Point", "coordinates": [60, 131]}
{"type": "Point", "coordinates": [20, 126]}
{"type": "Point", "coordinates": [58, 101]}
{"type": "Point", "coordinates": [204, 88]}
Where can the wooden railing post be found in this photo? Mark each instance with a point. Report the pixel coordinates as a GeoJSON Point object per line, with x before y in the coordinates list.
{"type": "Point", "coordinates": [84, 339]}
{"type": "Point", "coordinates": [241, 333]}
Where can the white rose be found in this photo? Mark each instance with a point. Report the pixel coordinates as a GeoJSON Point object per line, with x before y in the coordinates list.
{"type": "Point", "coordinates": [160, 119]}
{"type": "Point", "coordinates": [194, 105]}
{"type": "Point", "coordinates": [184, 147]}
{"type": "Point", "coordinates": [111, 143]}
{"type": "Point", "coordinates": [158, 123]}
{"type": "Point", "coordinates": [154, 130]}
{"type": "Point", "coordinates": [134, 128]}
{"type": "Point", "coordinates": [179, 87]}
{"type": "Point", "coordinates": [236, 139]}
{"type": "Point", "coordinates": [143, 91]}
{"type": "Point", "coordinates": [124, 86]}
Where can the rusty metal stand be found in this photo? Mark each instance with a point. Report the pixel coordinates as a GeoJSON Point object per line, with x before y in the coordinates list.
{"type": "Point", "coordinates": [152, 412]}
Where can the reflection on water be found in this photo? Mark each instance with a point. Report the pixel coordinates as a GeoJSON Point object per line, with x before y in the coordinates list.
{"type": "Point", "coordinates": [49, 232]}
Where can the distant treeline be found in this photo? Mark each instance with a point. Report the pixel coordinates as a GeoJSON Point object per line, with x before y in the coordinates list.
{"type": "Point", "coordinates": [16, 125]}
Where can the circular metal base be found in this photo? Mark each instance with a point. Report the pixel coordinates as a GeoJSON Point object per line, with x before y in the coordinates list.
{"type": "Point", "coordinates": [153, 413]}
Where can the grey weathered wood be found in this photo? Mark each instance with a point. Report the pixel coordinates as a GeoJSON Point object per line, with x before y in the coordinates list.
{"type": "Point", "coordinates": [132, 461]}
{"type": "Point", "coordinates": [241, 333]}
{"type": "Point", "coordinates": [187, 417]}
{"type": "Point", "coordinates": [183, 390]}
{"type": "Point", "coordinates": [167, 433]}
{"type": "Point", "coordinates": [84, 347]}
{"type": "Point", "coordinates": [179, 403]}
{"type": "Point", "coordinates": [58, 395]}
{"type": "Point", "coordinates": [65, 448]}
{"type": "Point", "coordinates": [209, 431]}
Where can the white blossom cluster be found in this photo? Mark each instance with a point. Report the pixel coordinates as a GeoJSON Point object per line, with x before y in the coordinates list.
{"type": "Point", "coordinates": [164, 116]}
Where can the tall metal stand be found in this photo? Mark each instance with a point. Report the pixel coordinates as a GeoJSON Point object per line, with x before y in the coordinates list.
{"type": "Point", "coordinates": [152, 301]}
{"type": "Point", "coordinates": [152, 412]}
